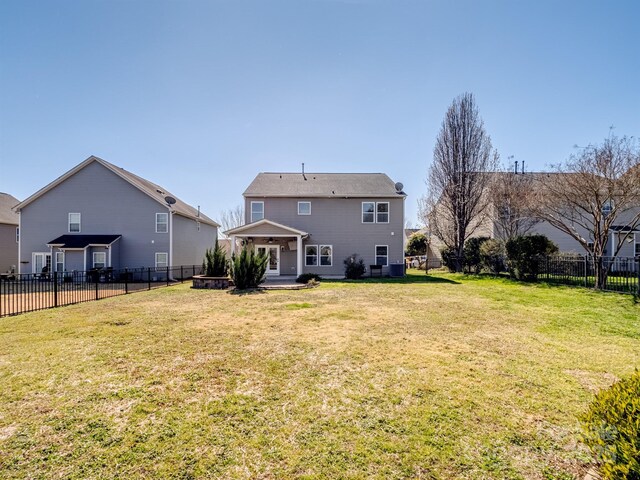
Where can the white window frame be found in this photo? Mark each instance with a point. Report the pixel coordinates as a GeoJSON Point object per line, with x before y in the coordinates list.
{"type": "Point", "coordinates": [373, 214]}
{"type": "Point", "coordinates": [251, 212]}
{"type": "Point", "coordinates": [57, 255]}
{"type": "Point", "coordinates": [375, 255]}
{"type": "Point", "coordinates": [164, 264]}
{"type": "Point", "coordinates": [320, 264]}
{"type": "Point", "coordinates": [93, 259]}
{"type": "Point", "coordinates": [79, 222]}
{"type": "Point", "coordinates": [316, 256]}
{"type": "Point", "coordinates": [158, 216]}
{"type": "Point", "coordinates": [45, 255]}
{"type": "Point", "coordinates": [17, 234]}
{"type": "Point", "coordinates": [301, 203]}
{"type": "Point", "coordinates": [383, 213]}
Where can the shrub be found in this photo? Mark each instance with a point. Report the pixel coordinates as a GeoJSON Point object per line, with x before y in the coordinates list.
{"type": "Point", "coordinates": [417, 244]}
{"type": "Point", "coordinates": [492, 255]}
{"type": "Point", "coordinates": [306, 277]}
{"type": "Point", "coordinates": [524, 252]}
{"type": "Point", "coordinates": [472, 261]}
{"type": "Point", "coordinates": [449, 259]}
{"type": "Point", "coordinates": [248, 269]}
{"type": "Point", "coordinates": [215, 262]}
{"type": "Point", "coordinates": [612, 429]}
{"type": "Point", "coordinates": [354, 267]}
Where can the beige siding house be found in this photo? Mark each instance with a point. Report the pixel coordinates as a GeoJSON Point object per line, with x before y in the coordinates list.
{"type": "Point", "coordinates": [309, 223]}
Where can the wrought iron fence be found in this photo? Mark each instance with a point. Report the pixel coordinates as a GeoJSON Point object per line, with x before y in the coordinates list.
{"type": "Point", "coordinates": [21, 293]}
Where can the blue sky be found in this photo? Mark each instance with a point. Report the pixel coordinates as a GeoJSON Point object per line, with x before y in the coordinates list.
{"type": "Point", "coordinates": [200, 96]}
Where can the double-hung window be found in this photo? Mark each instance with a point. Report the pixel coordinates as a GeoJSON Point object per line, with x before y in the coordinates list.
{"type": "Point", "coordinates": [74, 223]}
{"type": "Point", "coordinates": [326, 255]}
{"type": "Point", "coordinates": [59, 261]}
{"type": "Point", "coordinates": [162, 259]}
{"type": "Point", "coordinates": [304, 208]}
{"type": "Point", "coordinates": [99, 259]}
{"type": "Point", "coordinates": [17, 234]}
{"type": "Point", "coordinates": [375, 212]}
{"type": "Point", "coordinates": [257, 211]}
{"type": "Point", "coordinates": [162, 222]}
{"type": "Point", "coordinates": [311, 255]}
{"type": "Point", "coordinates": [382, 255]}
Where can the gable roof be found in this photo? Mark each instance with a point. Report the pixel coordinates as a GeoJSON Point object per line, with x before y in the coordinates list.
{"type": "Point", "coordinates": [7, 215]}
{"type": "Point", "coordinates": [343, 185]}
{"type": "Point", "coordinates": [151, 189]}
{"type": "Point", "coordinates": [82, 241]}
{"type": "Point", "coordinates": [249, 227]}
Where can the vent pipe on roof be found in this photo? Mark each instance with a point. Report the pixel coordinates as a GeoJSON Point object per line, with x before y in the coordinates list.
{"type": "Point", "coordinates": [523, 167]}
{"type": "Point", "coordinates": [303, 176]}
{"type": "Point", "coordinates": [516, 167]}
{"type": "Point", "coordinates": [198, 211]}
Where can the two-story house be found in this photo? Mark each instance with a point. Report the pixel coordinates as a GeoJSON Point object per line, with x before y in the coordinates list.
{"type": "Point", "coordinates": [9, 233]}
{"type": "Point", "coordinates": [98, 215]}
{"type": "Point", "coordinates": [310, 223]}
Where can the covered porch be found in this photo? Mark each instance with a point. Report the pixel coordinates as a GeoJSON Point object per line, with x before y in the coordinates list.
{"type": "Point", "coordinates": [282, 244]}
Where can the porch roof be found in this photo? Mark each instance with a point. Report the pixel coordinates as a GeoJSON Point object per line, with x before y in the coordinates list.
{"type": "Point", "coordinates": [267, 228]}
{"type": "Point", "coordinates": [82, 241]}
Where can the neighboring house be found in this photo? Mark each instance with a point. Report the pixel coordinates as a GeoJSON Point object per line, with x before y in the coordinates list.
{"type": "Point", "coordinates": [98, 215]}
{"type": "Point", "coordinates": [310, 223]}
{"type": "Point", "coordinates": [9, 233]}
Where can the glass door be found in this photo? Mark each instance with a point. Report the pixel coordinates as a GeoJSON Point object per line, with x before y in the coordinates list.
{"type": "Point", "coordinates": [273, 251]}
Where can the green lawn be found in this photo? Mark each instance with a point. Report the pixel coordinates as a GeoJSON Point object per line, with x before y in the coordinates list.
{"type": "Point", "coordinates": [426, 377]}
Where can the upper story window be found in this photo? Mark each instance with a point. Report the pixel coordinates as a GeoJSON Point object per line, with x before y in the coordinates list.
{"type": "Point", "coordinates": [304, 208]}
{"type": "Point", "coordinates": [607, 207]}
{"type": "Point", "coordinates": [257, 211]}
{"type": "Point", "coordinates": [74, 223]}
{"type": "Point", "coordinates": [162, 222]}
{"type": "Point", "coordinates": [17, 234]}
{"type": "Point", "coordinates": [375, 212]}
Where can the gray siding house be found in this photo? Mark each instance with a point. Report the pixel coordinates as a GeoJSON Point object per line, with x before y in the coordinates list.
{"type": "Point", "coordinates": [309, 223]}
{"type": "Point", "coordinates": [9, 233]}
{"type": "Point", "coordinates": [98, 215]}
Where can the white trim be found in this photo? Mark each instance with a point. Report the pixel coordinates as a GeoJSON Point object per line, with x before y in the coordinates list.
{"type": "Point", "coordinates": [320, 256]}
{"type": "Point", "coordinates": [388, 212]}
{"type": "Point", "coordinates": [84, 255]}
{"type": "Point", "coordinates": [251, 211]}
{"type": "Point", "coordinates": [375, 255]}
{"type": "Point", "coordinates": [362, 212]}
{"type": "Point", "coordinates": [93, 259]}
{"type": "Point", "coordinates": [304, 201]}
{"type": "Point", "coordinates": [317, 255]}
{"type": "Point", "coordinates": [299, 254]}
{"type": "Point", "coordinates": [156, 259]}
{"type": "Point", "coordinates": [267, 248]}
{"type": "Point", "coordinates": [264, 221]}
{"type": "Point", "coordinates": [63, 260]}
{"type": "Point", "coordinates": [44, 261]}
{"type": "Point", "coordinates": [79, 222]}
{"type": "Point", "coordinates": [162, 223]}
{"type": "Point", "coordinates": [109, 257]}
{"type": "Point", "coordinates": [20, 244]}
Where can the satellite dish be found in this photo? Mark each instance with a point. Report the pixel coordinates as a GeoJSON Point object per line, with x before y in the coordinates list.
{"type": "Point", "coordinates": [169, 200]}
{"type": "Point", "coordinates": [399, 187]}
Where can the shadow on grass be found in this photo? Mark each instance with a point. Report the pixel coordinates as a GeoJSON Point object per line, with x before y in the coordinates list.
{"type": "Point", "coordinates": [409, 279]}
{"type": "Point", "coordinates": [248, 291]}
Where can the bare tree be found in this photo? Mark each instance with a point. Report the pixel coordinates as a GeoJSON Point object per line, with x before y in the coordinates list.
{"type": "Point", "coordinates": [232, 218]}
{"type": "Point", "coordinates": [592, 194]}
{"type": "Point", "coordinates": [512, 203]}
{"type": "Point", "coordinates": [458, 180]}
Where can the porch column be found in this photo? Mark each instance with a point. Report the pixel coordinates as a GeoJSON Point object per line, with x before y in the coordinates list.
{"type": "Point", "coordinates": [299, 254]}
{"type": "Point", "coordinates": [233, 244]}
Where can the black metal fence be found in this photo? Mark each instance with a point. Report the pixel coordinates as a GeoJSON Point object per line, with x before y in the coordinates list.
{"type": "Point", "coordinates": [21, 293]}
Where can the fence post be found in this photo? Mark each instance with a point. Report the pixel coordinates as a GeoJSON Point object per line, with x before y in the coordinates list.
{"type": "Point", "coordinates": [126, 281]}
{"type": "Point", "coordinates": [638, 272]}
{"type": "Point", "coordinates": [181, 274]}
{"type": "Point", "coordinates": [167, 275]}
{"type": "Point", "coordinates": [149, 278]}
{"type": "Point", "coordinates": [55, 289]}
{"type": "Point", "coordinates": [586, 271]}
{"type": "Point", "coordinates": [96, 279]}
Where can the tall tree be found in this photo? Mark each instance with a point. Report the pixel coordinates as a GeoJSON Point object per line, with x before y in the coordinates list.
{"type": "Point", "coordinates": [458, 177]}
{"type": "Point", "coordinates": [232, 218]}
{"type": "Point", "coordinates": [592, 194]}
{"type": "Point", "coordinates": [512, 204]}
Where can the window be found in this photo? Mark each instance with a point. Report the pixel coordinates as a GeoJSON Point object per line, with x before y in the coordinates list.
{"type": "Point", "coordinates": [162, 222]}
{"type": "Point", "coordinates": [368, 209]}
{"type": "Point", "coordinates": [382, 255]}
{"type": "Point", "coordinates": [59, 261]}
{"type": "Point", "coordinates": [326, 255]}
{"type": "Point", "coordinates": [257, 211]}
{"type": "Point", "coordinates": [74, 223]}
{"type": "Point", "coordinates": [311, 255]}
{"type": "Point", "coordinates": [17, 234]}
{"type": "Point", "coordinates": [162, 259]}
{"type": "Point", "coordinates": [41, 262]}
{"type": "Point", "coordinates": [99, 259]}
{"type": "Point", "coordinates": [304, 208]}
{"type": "Point", "coordinates": [607, 207]}
{"type": "Point", "coordinates": [637, 244]}
{"type": "Point", "coordinates": [382, 212]}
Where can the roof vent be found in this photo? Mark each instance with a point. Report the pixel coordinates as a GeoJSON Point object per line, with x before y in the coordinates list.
{"type": "Point", "coordinates": [399, 187]}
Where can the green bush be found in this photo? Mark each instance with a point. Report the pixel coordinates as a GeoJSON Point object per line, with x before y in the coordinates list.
{"type": "Point", "coordinates": [492, 255]}
{"type": "Point", "coordinates": [524, 252]}
{"type": "Point", "coordinates": [472, 260]}
{"type": "Point", "coordinates": [612, 429]}
{"type": "Point", "coordinates": [354, 267]}
{"type": "Point", "coordinates": [449, 259]}
{"type": "Point", "coordinates": [306, 277]}
{"type": "Point", "coordinates": [215, 262]}
{"type": "Point", "coordinates": [248, 269]}
{"type": "Point", "coordinates": [417, 244]}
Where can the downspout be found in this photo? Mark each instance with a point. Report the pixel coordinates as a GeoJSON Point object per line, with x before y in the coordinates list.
{"type": "Point", "coordinates": [170, 237]}
{"type": "Point", "coordinates": [19, 242]}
